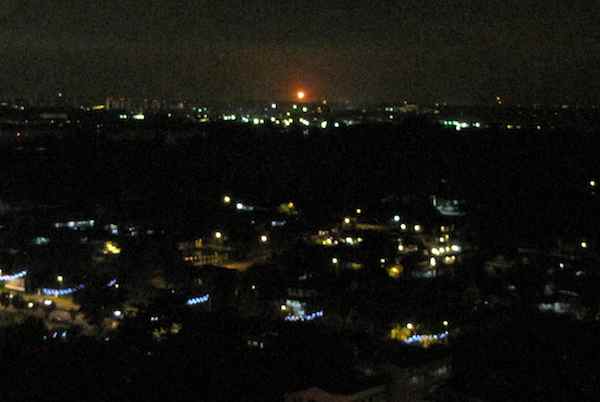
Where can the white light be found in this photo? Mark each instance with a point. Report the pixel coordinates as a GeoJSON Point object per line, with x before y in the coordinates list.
{"type": "Point", "coordinates": [358, 211]}
{"type": "Point", "coordinates": [382, 260]}
{"type": "Point", "coordinates": [273, 106]}
{"type": "Point", "coordinates": [239, 206]}
{"type": "Point", "coordinates": [253, 287]}
{"type": "Point", "coordinates": [445, 323]}
{"type": "Point", "coordinates": [264, 238]}
{"type": "Point", "coordinates": [30, 305]}
{"type": "Point", "coordinates": [403, 226]}
{"type": "Point", "coordinates": [592, 183]}
{"type": "Point", "coordinates": [227, 199]}
{"type": "Point", "coordinates": [117, 313]}
{"type": "Point", "coordinates": [396, 218]}
{"type": "Point", "coordinates": [139, 116]}
{"type": "Point", "coordinates": [410, 326]}
{"type": "Point", "coordinates": [584, 244]}
{"type": "Point", "coordinates": [400, 247]}
{"type": "Point", "coordinates": [47, 302]}
{"type": "Point", "coordinates": [218, 235]}
{"type": "Point", "coordinates": [432, 262]}
{"type": "Point", "coordinates": [304, 109]}
{"type": "Point", "coordinates": [283, 307]}
{"type": "Point", "coordinates": [256, 121]}
{"type": "Point", "coordinates": [59, 279]}
{"type": "Point", "coordinates": [323, 124]}
{"type": "Point", "coordinates": [347, 221]}
{"type": "Point", "coordinates": [561, 265]}
{"type": "Point", "coordinates": [418, 228]}
{"type": "Point", "coordinates": [334, 260]}
{"type": "Point", "coordinates": [336, 124]}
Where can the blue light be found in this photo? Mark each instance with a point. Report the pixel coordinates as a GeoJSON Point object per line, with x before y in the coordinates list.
{"type": "Point", "coordinates": [61, 292]}
{"type": "Point", "coordinates": [18, 275]}
{"type": "Point", "coordinates": [197, 300]}
{"type": "Point", "coordinates": [112, 283]}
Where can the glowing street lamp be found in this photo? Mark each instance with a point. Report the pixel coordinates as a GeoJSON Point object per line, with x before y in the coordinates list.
{"type": "Point", "coordinates": [218, 235]}
{"type": "Point", "coordinates": [300, 95]}
{"type": "Point", "coordinates": [60, 279]}
{"type": "Point", "coordinates": [227, 199]}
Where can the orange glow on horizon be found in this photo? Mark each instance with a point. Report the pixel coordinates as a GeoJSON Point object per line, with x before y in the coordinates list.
{"type": "Point", "coordinates": [301, 95]}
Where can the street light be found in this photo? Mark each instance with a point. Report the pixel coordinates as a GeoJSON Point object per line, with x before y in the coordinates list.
{"type": "Point", "coordinates": [60, 279]}
{"type": "Point", "coordinates": [264, 239]}
{"type": "Point", "coordinates": [218, 235]}
{"type": "Point", "coordinates": [227, 199]}
{"type": "Point", "coordinates": [410, 326]}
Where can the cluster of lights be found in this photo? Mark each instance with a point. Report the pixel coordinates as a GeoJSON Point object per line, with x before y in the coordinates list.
{"type": "Point", "coordinates": [197, 300]}
{"type": "Point", "coordinates": [8, 278]}
{"type": "Point", "coordinates": [111, 248]}
{"type": "Point", "coordinates": [112, 282]}
{"type": "Point", "coordinates": [428, 338]}
{"type": "Point", "coordinates": [445, 250]}
{"type": "Point", "coordinates": [308, 317]}
{"type": "Point", "coordinates": [61, 292]}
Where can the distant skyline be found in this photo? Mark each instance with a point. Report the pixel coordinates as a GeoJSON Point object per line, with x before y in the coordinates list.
{"type": "Point", "coordinates": [424, 51]}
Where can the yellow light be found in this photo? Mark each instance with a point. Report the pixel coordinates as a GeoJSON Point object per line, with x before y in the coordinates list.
{"type": "Point", "coordinates": [400, 247]}
{"type": "Point", "coordinates": [584, 244]}
{"type": "Point", "coordinates": [403, 226]}
{"type": "Point", "coordinates": [418, 228]}
{"type": "Point", "coordinates": [218, 235]}
{"type": "Point", "coordinates": [291, 205]}
{"type": "Point", "coordinates": [395, 271]}
{"type": "Point", "coordinates": [435, 251]}
{"type": "Point", "coordinates": [111, 248]}
{"type": "Point", "coordinates": [410, 326]}
{"type": "Point", "coordinates": [445, 323]}
{"type": "Point", "coordinates": [592, 183]}
{"type": "Point", "coordinates": [227, 199]}
{"type": "Point", "coordinates": [300, 95]}
{"type": "Point", "coordinates": [358, 211]}
{"type": "Point", "coordinates": [59, 279]}
{"type": "Point", "coordinates": [347, 221]}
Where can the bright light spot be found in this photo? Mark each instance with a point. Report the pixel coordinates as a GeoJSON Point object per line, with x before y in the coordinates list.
{"type": "Point", "coordinates": [300, 95]}
{"type": "Point", "coordinates": [264, 239]}
{"type": "Point", "coordinates": [294, 107]}
{"type": "Point", "coordinates": [218, 235]}
{"type": "Point", "coordinates": [358, 211]}
{"type": "Point", "coordinates": [435, 251]}
{"type": "Point", "coordinates": [59, 279]}
{"type": "Point", "coordinates": [592, 183]}
{"type": "Point", "coordinates": [30, 305]}
{"type": "Point", "coordinates": [291, 205]}
{"type": "Point", "coordinates": [323, 124]}
{"type": "Point", "coordinates": [227, 199]}
{"type": "Point", "coordinates": [111, 248]}
{"type": "Point", "coordinates": [382, 260]}
{"type": "Point", "coordinates": [418, 228]}
{"type": "Point", "coordinates": [253, 287]}
{"type": "Point", "coordinates": [410, 326]}
{"type": "Point", "coordinates": [304, 109]}
{"type": "Point", "coordinates": [336, 124]}
{"type": "Point", "coordinates": [584, 244]}
{"type": "Point", "coordinates": [139, 116]}
{"type": "Point", "coordinates": [334, 260]}
{"type": "Point", "coordinates": [117, 313]}
{"type": "Point", "coordinates": [403, 226]}
{"type": "Point", "coordinates": [396, 218]}
{"type": "Point", "coordinates": [445, 323]}
{"type": "Point", "coordinates": [401, 247]}
{"type": "Point", "coordinates": [561, 265]}
{"type": "Point", "coordinates": [256, 121]}
{"type": "Point", "coordinates": [239, 206]}
{"type": "Point", "coordinates": [273, 106]}
{"type": "Point", "coordinates": [47, 302]}
{"type": "Point", "coordinates": [432, 262]}
{"type": "Point", "coordinates": [347, 221]}
{"type": "Point", "coordinates": [283, 307]}
{"type": "Point", "coordinates": [455, 248]}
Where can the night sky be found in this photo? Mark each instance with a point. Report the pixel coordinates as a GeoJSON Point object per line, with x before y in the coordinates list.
{"type": "Point", "coordinates": [455, 51]}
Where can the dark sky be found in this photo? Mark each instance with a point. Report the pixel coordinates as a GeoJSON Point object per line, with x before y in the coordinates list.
{"type": "Point", "coordinates": [455, 51]}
